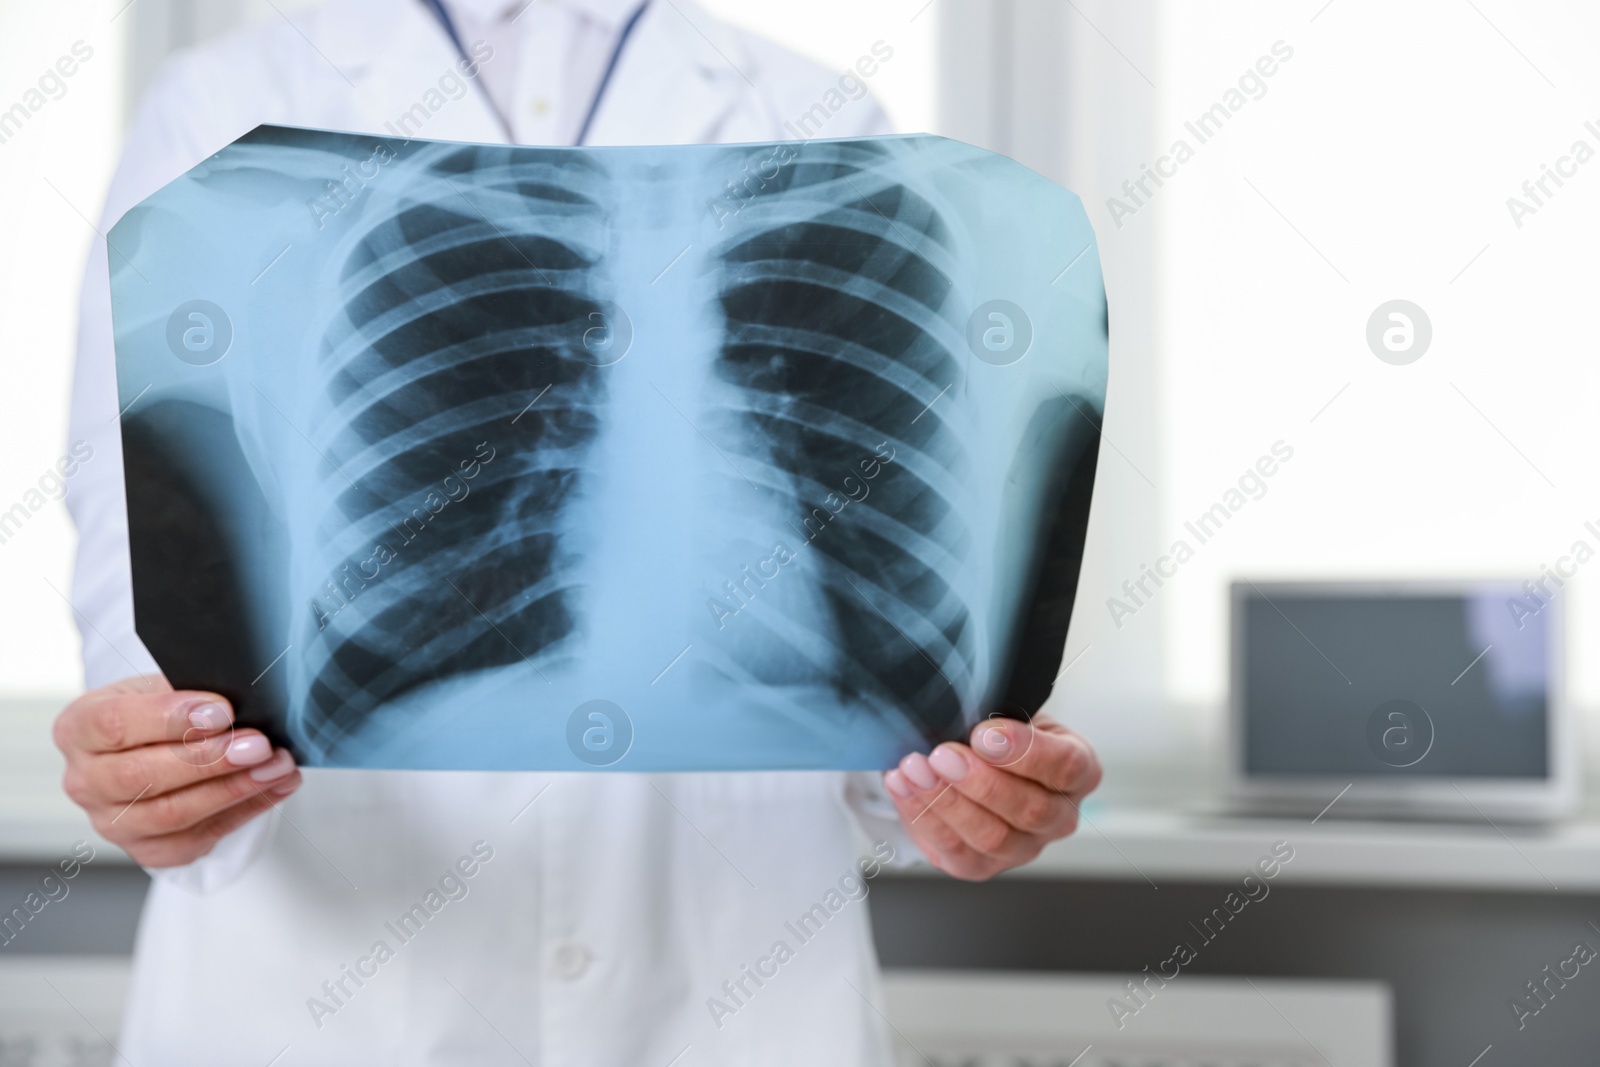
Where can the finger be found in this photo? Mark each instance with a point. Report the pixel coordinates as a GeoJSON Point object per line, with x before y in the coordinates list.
{"type": "Point", "coordinates": [186, 808]}
{"type": "Point", "coordinates": [174, 850]}
{"type": "Point", "coordinates": [914, 786]}
{"type": "Point", "coordinates": [116, 718]}
{"type": "Point", "coordinates": [977, 827]}
{"type": "Point", "coordinates": [1044, 751]}
{"type": "Point", "coordinates": [1021, 802]}
{"type": "Point", "coordinates": [140, 683]}
{"type": "Point", "coordinates": [983, 831]}
{"type": "Point", "coordinates": [939, 842]}
{"type": "Point", "coordinates": [152, 770]}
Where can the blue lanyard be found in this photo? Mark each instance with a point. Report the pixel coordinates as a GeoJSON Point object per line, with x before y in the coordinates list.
{"type": "Point", "coordinates": [448, 24]}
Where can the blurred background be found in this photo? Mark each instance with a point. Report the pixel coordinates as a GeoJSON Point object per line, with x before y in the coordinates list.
{"type": "Point", "coordinates": [1373, 164]}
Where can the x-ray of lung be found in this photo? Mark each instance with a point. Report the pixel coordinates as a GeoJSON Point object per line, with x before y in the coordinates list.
{"type": "Point", "coordinates": [445, 455]}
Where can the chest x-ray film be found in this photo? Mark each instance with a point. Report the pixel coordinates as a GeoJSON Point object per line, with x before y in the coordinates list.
{"type": "Point", "coordinates": [444, 455]}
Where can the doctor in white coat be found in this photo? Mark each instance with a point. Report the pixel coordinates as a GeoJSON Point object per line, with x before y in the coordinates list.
{"type": "Point", "coordinates": [345, 917]}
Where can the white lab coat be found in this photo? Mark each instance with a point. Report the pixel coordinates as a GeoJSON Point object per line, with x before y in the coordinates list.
{"type": "Point", "coordinates": [615, 906]}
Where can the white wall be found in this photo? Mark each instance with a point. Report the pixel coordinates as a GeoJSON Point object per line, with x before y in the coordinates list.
{"type": "Point", "coordinates": [1377, 166]}
{"type": "Point", "coordinates": [53, 174]}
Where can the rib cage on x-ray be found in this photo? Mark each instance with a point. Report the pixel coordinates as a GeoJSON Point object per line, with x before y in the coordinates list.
{"type": "Point", "coordinates": [836, 344]}
{"type": "Point", "coordinates": [449, 326]}
{"type": "Point", "coordinates": [833, 349]}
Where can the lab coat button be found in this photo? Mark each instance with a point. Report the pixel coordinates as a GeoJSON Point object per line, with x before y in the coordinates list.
{"type": "Point", "coordinates": [570, 960]}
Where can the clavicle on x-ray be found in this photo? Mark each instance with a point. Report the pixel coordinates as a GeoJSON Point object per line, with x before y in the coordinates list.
{"type": "Point", "coordinates": [446, 455]}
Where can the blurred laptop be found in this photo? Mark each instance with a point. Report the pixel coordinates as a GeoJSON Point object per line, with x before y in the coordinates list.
{"type": "Point", "coordinates": [1400, 699]}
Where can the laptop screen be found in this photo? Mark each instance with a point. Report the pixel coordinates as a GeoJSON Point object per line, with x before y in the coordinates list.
{"type": "Point", "coordinates": [1343, 683]}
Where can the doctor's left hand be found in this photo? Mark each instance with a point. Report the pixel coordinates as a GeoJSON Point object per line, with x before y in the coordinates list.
{"type": "Point", "coordinates": [976, 810]}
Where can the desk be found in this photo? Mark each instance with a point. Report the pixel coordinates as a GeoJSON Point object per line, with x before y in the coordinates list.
{"type": "Point", "coordinates": [1455, 918]}
{"type": "Point", "coordinates": [1122, 844]}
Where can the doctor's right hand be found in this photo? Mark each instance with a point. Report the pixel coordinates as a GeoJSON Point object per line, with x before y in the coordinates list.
{"type": "Point", "coordinates": [163, 774]}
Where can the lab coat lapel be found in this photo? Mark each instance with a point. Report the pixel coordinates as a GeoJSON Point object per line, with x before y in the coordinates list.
{"type": "Point", "coordinates": [394, 54]}
{"type": "Point", "coordinates": [681, 80]}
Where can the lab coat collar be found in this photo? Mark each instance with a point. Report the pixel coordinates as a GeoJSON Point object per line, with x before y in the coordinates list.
{"type": "Point", "coordinates": [356, 35]}
{"type": "Point", "coordinates": [683, 78]}
{"type": "Point", "coordinates": [605, 12]}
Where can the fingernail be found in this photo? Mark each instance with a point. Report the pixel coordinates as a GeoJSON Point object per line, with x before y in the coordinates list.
{"type": "Point", "coordinates": [280, 765]}
{"type": "Point", "coordinates": [209, 716]}
{"type": "Point", "coordinates": [994, 741]}
{"type": "Point", "coordinates": [915, 767]}
{"type": "Point", "coordinates": [248, 750]}
{"type": "Point", "coordinates": [949, 762]}
{"type": "Point", "coordinates": [896, 783]}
